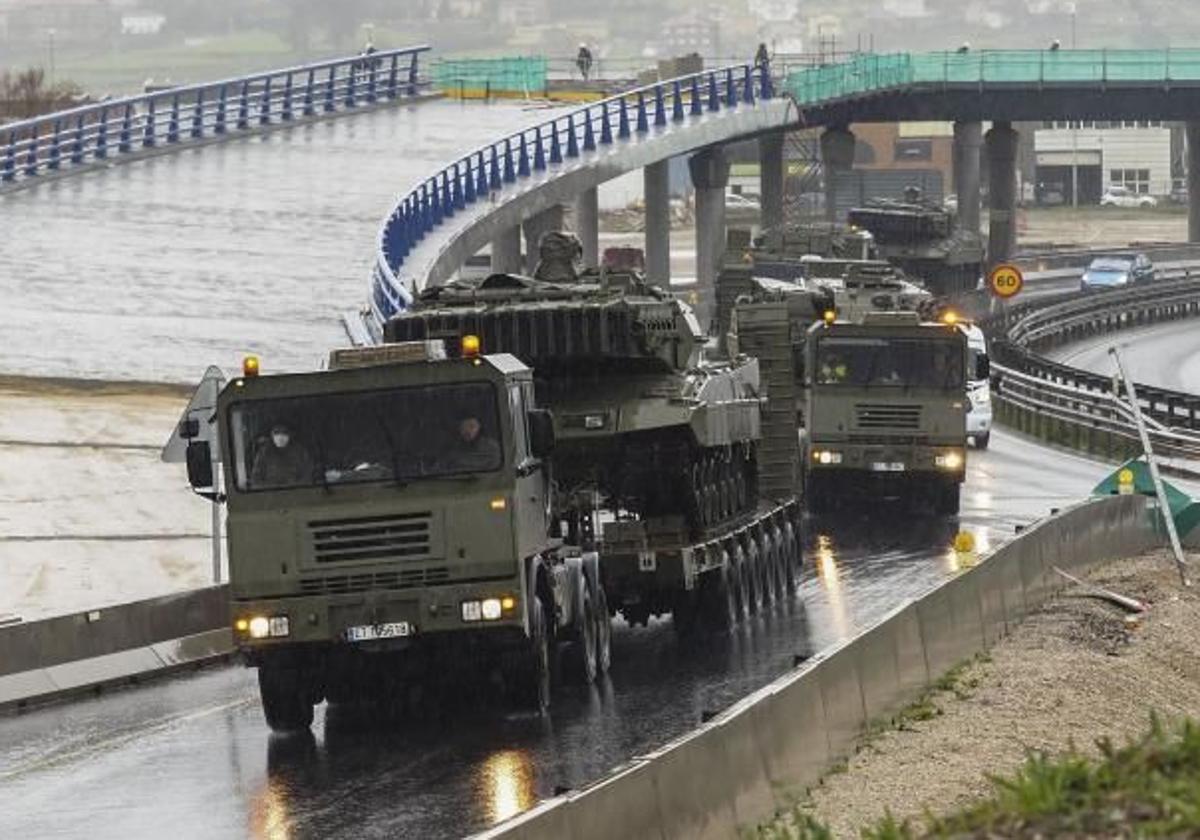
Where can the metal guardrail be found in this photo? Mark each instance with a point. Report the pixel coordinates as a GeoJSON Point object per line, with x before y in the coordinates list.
{"type": "Point", "coordinates": [178, 116]}
{"type": "Point", "coordinates": [1086, 401]}
{"type": "Point", "coordinates": [504, 164]}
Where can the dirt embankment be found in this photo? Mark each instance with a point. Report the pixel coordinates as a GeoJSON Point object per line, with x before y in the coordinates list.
{"type": "Point", "coordinates": [1073, 672]}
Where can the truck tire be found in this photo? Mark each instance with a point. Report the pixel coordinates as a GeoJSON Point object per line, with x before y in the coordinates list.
{"type": "Point", "coordinates": [753, 596]}
{"type": "Point", "coordinates": [580, 653]}
{"type": "Point", "coordinates": [529, 682]}
{"type": "Point", "coordinates": [603, 633]}
{"type": "Point", "coordinates": [719, 604]}
{"type": "Point", "coordinates": [286, 698]}
{"type": "Point", "coordinates": [791, 547]}
{"type": "Point", "coordinates": [949, 499]}
{"type": "Point", "coordinates": [982, 441]}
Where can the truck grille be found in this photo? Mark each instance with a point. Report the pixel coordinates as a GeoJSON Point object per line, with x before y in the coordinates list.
{"type": "Point", "coordinates": [884, 416]}
{"type": "Point", "coordinates": [341, 584]}
{"type": "Point", "coordinates": [403, 536]}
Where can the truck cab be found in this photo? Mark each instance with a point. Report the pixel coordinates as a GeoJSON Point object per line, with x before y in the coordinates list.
{"type": "Point", "coordinates": [886, 405]}
{"type": "Point", "coordinates": [388, 518]}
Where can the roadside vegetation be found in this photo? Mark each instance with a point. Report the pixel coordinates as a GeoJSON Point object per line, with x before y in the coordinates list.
{"type": "Point", "coordinates": [1147, 788]}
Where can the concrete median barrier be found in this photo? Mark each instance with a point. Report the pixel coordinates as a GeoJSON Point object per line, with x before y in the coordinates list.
{"type": "Point", "coordinates": [759, 755]}
{"type": "Point", "coordinates": [67, 654]}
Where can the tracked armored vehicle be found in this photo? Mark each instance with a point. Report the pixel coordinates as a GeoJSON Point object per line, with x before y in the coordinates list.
{"type": "Point", "coordinates": [924, 240]}
{"type": "Point", "coordinates": [657, 451]}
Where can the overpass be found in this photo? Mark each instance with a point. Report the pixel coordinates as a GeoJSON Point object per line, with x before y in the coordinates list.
{"type": "Point", "coordinates": [521, 181]}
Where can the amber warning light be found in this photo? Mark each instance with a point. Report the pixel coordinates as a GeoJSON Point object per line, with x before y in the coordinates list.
{"type": "Point", "coordinates": [470, 346]}
{"type": "Point", "coordinates": [250, 366]}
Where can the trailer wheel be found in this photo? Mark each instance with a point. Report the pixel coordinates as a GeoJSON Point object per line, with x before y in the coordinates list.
{"type": "Point", "coordinates": [528, 682]}
{"type": "Point", "coordinates": [719, 602]}
{"type": "Point", "coordinates": [791, 550]}
{"type": "Point", "coordinates": [286, 698]}
{"type": "Point", "coordinates": [603, 632]}
{"type": "Point", "coordinates": [754, 574]}
{"type": "Point", "coordinates": [580, 654]}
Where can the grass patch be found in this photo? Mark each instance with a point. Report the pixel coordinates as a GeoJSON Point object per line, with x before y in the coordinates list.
{"type": "Point", "coordinates": [1148, 788]}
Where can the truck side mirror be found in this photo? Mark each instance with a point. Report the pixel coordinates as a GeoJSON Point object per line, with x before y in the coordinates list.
{"type": "Point", "coordinates": [541, 432]}
{"type": "Point", "coordinates": [983, 367]}
{"type": "Point", "coordinates": [199, 465]}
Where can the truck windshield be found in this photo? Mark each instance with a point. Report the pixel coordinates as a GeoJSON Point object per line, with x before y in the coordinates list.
{"type": "Point", "coordinates": [890, 363]}
{"type": "Point", "coordinates": [394, 435]}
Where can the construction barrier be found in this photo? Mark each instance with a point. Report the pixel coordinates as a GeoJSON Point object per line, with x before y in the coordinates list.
{"type": "Point", "coordinates": [70, 653]}
{"type": "Point", "coordinates": [488, 78]}
{"type": "Point", "coordinates": [757, 756]}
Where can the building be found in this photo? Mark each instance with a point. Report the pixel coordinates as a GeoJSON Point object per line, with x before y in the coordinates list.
{"type": "Point", "coordinates": [1096, 155]}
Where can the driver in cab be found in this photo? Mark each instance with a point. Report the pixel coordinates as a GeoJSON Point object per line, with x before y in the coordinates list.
{"type": "Point", "coordinates": [473, 449]}
{"type": "Point", "coordinates": [281, 461]}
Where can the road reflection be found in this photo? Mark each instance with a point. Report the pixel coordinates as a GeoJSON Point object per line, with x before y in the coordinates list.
{"type": "Point", "coordinates": [826, 564]}
{"type": "Point", "coordinates": [506, 784]}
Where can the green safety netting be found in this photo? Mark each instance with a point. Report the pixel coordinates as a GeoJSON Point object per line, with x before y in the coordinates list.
{"type": "Point", "coordinates": [866, 73]}
{"type": "Point", "coordinates": [523, 75]}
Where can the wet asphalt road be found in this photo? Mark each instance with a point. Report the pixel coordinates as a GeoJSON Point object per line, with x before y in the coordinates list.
{"type": "Point", "coordinates": [191, 757]}
{"type": "Point", "coordinates": [1166, 355]}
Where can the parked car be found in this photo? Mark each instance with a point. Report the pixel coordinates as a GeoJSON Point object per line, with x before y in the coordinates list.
{"type": "Point", "coordinates": [1122, 197]}
{"type": "Point", "coordinates": [1116, 271]}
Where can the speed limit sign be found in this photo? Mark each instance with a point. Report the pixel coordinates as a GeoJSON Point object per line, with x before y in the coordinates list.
{"type": "Point", "coordinates": [1006, 281]}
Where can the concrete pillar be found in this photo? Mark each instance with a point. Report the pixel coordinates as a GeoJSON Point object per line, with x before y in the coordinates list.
{"type": "Point", "coordinates": [1193, 180]}
{"type": "Point", "coordinates": [548, 220]}
{"type": "Point", "coordinates": [770, 179]}
{"type": "Point", "coordinates": [710, 176]}
{"type": "Point", "coordinates": [1002, 192]}
{"type": "Point", "coordinates": [506, 251]}
{"type": "Point", "coordinates": [587, 226]}
{"type": "Point", "coordinates": [968, 141]}
{"type": "Point", "coordinates": [837, 155]}
{"type": "Point", "coordinates": [657, 185]}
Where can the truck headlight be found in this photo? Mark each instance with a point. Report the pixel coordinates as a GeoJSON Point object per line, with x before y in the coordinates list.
{"type": "Point", "coordinates": [472, 611]}
{"type": "Point", "coordinates": [279, 626]}
{"type": "Point", "coordinates": [827, 457]}
{"type": "Point", "coordinates": [491, 609]}
{"type": "Point", "coordinates": [949, 461]}
{"type": "Point", "coordinates": [981, 396]}
{"type": "Point", "coordinates": [260, 627]}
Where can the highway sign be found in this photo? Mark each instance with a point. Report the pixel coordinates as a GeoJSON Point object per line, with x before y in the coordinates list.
{"type": "Point", "coordinates": [1006, 281]}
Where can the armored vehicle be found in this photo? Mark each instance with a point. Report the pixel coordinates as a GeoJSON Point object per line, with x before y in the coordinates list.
{"type": "Point", "coordinates": [388, 524]}
{"type": "Point", "coordinates": [924, 240]}
{"type": "Point", "coordinates": [657, 448]}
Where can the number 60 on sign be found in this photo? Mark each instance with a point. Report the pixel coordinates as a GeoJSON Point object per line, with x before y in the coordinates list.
{"type": "Point", "coordinates": [1006, 280]}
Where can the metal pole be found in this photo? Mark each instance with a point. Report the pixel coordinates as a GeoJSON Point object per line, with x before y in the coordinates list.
{"type": "Point", "coordinates": [216, 527]}
{"type": "Point", "coordinates": [1131, 393]}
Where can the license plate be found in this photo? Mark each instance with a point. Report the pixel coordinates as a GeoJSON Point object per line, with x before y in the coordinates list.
{"type": "Point", "coordinates": [371, 632]}
{"type": "Point", "coordinates": [887, 466]}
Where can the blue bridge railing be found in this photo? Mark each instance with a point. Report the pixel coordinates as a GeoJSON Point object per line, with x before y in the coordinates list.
{"type": "Point", "coordinates": [177, 116]}
{"type": "Point", "coordinates": [502, 165]}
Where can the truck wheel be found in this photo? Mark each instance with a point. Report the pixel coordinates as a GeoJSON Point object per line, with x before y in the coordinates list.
{"type": "Point", "coordinates": [286, 700]}
{"type": "Point", "coordinates": [753, 596]}
{"type": "Point", "coordinates": [603, 633]}
{"type": "Point", "coordinates": [791, 548]}
{"type": "Point", "coordinates": [580, 654]}
{"type": "Point", "coordinates": [949, 499]}
{"type": "Point", "coordinates": [719, 598]}
{"type": "Point", "coordinates": [982, 441]}
{"type": "Point", "coordinates": [529, 682]}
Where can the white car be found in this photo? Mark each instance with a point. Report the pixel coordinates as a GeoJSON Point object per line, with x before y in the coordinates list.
{"type": "Point", "coordinates": [1122, 197]}
{"type": "Point", "coordinates": [979, 391]}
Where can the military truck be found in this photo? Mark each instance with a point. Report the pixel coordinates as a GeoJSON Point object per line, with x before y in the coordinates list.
{"type": "Point", "coordinates": [870, 304]}
{"type": "Point", "coordinates": [658, 448]}
{"type": "Point", "coordinates": [926, 241]}
{"type": "Point", "coordinates": [885, 411]}
{"type": "Point", "coordinates": [389, 521]}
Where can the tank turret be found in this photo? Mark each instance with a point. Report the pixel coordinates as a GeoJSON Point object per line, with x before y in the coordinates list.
{"type": "Point", "coordinates": [642, 418]}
